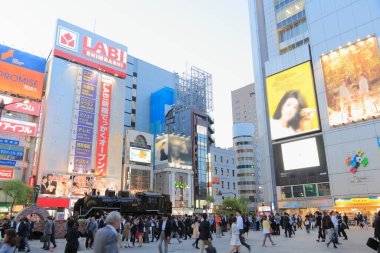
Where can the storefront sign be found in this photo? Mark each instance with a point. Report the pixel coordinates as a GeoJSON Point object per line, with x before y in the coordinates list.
{"type": "Point", "coordinates": [21, 73]}
{"type": "Point", "coordinates": [76, 44]}
{"type": "Point", "coordinates": [10, 136]}
{"type": "Point", "coordinates": [354, 202]}
{"type": "Point", "coordinates": [15, 153]}
{"type": "Point", "coordinates": [103, 126]}
{"type": "Point", "coordinates": [83, 122]}
{"type": "Point", "coordinates": [6, 173]}
{"type": "Point", "coordinates": [9, 163]}
{"type": "Point", "coordinates": [9, 142]}
{"type": "Point", "coordinates": [318, 203]}
{"type": "Point", "coordinates": [215, 180]}
{"type": "Point", "coordinates": [18, 105]}
{"type": "Point", "coordinates": [53, 202]}
{"type": "Point", "coordinates": [18, 127]}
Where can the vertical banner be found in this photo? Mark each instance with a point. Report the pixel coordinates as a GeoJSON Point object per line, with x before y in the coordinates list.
{"type": "Point", "coordinates": [83, 122]}
{"type": "Point", "coordinates": [103, 126]}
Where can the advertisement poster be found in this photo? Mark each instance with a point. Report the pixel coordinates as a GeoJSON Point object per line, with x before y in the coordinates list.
{"type": "Point", "coordinates": [65, 185]}
{"type": "Point", "coordinates": [180, 152]}
{"type": "Point", "coordinates": [161, 149]}
{"type": "Point", "coordinates": [102, 184]}
{"type": "Point", "coordinates": [352, 81]}
{"type": "Point", "coordinates": [103, 126]}
{"type": "Point", "coordinates": [21, 73]}
{"type": "Point", "coordinates": [291, 102]}
{"type": "Point", "coordinates": [6, 173]}
{"type": "Point", "coordinates": [83, 122]}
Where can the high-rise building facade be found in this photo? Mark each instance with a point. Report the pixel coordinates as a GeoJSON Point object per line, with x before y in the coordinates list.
{"type": "Point", "coordinates": [224, 180]}
{"type": "Point", "coordinates": [316, 67]}
{"type": "Point", "coordinates": [244, 104]}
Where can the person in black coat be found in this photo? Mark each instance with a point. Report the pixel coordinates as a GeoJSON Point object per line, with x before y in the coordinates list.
{"type": "Point", "coordinates": [72, 236]}
{"type": "Point", "coordinates": [23, 233]}
{"type": "Point", "coordinates": [164, 230]}
{"type": "Point", "coordinates": [204, 232]}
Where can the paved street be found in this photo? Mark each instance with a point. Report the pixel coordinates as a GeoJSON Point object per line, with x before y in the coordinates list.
{"type": "Point", "coordinates": [301, 243]}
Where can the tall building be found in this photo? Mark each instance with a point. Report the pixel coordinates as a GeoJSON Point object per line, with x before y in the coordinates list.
{"type": "Point", "coordinates": [190, 116]}
{"type": "Point", "coordinates": [245, 144]}
{"type": "Point", "coordinates": [316, 67]}
{"type": "Point", "coordinates": [244, 104]}
{"type": "Point", "coordinates": [224, 178]}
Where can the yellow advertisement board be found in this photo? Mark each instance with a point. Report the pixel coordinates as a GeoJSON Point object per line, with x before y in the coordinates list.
{"type": "Point", "coordinates": [291, 102]}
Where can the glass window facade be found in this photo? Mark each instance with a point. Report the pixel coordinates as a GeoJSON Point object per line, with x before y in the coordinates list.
{"type": "Point", "coordinates": [306, 190]}
{"type": "Point", "coordinates": [202, 165]}
{"type": "Point", "coordinates": [298, 191]}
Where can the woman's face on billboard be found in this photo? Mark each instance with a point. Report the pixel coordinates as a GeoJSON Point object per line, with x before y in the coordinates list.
{"type": "Point", "coordinates": [289, 109]}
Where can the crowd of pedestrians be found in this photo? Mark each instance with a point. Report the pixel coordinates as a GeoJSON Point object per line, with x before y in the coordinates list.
{"type": "Point", "coordinates": [112, 232]}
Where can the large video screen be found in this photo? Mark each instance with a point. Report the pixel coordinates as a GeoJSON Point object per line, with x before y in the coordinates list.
{"type": "Point", "coordinates": [300, 154]}
{"type": "Point", "coordinates": [300, 162]}
{"type": "Point", "coordinates": [161, 155]}
{"type": "Point", "coordinates": [352, 81]}
{"type": "Point", "coordinates": [291, 102]}
{"type": "Point", "coordinates": [140, 155]}
{"type": "Point", "coordinates": [180, 152]}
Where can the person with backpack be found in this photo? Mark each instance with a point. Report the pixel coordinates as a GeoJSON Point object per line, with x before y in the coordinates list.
{"type": "Point", "coordinates": [342, 227]}
{"type": "Point", "coordinates": [91, 227]}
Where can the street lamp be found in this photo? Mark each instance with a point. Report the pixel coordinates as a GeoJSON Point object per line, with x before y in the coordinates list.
{"type": "Point", "coordinates": [3, 104]}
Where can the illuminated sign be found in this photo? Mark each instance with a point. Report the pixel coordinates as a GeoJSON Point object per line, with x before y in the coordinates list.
{"type": "Point", "coordinates": [18, 127]}
{"type": "Point", "coordinates": [140, 155]}
{"type": "Point", "coordinates": [103, 126]}
{"type": "Point", "coordinates": [21, 73]}
{"type": "Point", "coordinates": [352, 202]}
{"type": "Point", "coordinates": [6, 173]}
{"type": "Point", "coordinates": [18, 105]}
{"type": "Point", "coordinates": [79, 45]}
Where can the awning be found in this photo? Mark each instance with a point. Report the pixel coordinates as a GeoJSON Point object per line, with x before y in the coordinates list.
{"type": "Point", "coordinates": [53, 202]}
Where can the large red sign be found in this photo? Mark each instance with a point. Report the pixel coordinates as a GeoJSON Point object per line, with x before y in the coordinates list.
{"type": "Point", "coordinates": [18, 127]}
{"type": "Point", "coordinates": [103, 126]}
{"type": "Point", "coordinates": [6, 173]}
{"type": "Point", "coordinates": [18, 105]}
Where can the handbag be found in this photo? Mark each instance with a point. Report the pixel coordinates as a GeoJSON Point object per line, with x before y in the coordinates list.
{"type": "Point", "coordinates": [44, 238]}
{"type": "Point", "coordinates": [372, 243]}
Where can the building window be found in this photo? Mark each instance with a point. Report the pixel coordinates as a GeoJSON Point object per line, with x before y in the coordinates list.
{"type": "Point", "coordinates": [216, 171]}
{"type": "Point", "coordinates": [228, 172]}
{"type": "Point", "coordinates": [233, 173]}
{"type": "Point", "coordinates": [233, 161]}
{"type": "Point", "coordinates": [221, 171]}
{"type": "Point", "coordinates": [221, 159]}
{"type": "Point", "coordinates": [228, 185]}
{"type": "Point", "coordinates": [246, 166]}
{"type": "Point", "coordinates": [298, 191]}
{"type": "Point", "coordinates": [227, 160]}
{"type": "Point", "coordinates": [222, 184]}
{"type": "Point", "coordinates": [234, 186]}
{"type": "Point", "coordinates": [214, 158]}
{"type": "Point", "coordinates": [244, 151]}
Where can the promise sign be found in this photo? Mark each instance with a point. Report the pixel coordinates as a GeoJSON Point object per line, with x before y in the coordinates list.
{"type": "Point", "coordinates": [103, 126]}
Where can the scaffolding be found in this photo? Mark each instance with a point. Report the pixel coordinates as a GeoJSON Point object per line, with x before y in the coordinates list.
{"type": "Point", "coordinates": [194, 91]}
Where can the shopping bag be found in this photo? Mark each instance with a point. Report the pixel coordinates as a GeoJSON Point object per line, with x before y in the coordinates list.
{"type": "Point", "coordinates": [372, 243]}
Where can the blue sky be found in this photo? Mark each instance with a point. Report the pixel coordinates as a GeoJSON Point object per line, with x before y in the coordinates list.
{"type": "Point", "coordinates": [173, 34]}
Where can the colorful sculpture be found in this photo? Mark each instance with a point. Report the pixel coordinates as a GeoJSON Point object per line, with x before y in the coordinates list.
{"type": "Point", "coordinates": [356, 160]}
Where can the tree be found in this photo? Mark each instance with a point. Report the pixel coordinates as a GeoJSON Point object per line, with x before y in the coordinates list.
{"type": "Point", "coordinates": [230, 205]}
{"type": "Point", "coordinates": [19, 193]}
{"type": "Point", "coordinates": [210, 199]}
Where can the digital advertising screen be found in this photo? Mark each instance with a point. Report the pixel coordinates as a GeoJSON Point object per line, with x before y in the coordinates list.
{"type": "Point", "coordinates": [300, 162]}
{"type": "Point", "coordinates": [140, 155]}
{"type": "Point", "coordinates": [292, 105]}
{"type": "Point", "coordinates": [180, 152]}
{"type": "Point", "coordinates": [300, 154]}
{"type": "Point", "coordinates": [161, 155]}
{"type": "Point", "coordinates": [352, 82]}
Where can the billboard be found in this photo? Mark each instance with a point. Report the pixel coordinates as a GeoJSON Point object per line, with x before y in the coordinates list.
{"type": "Point", "coordinates": [180, 152]}
{"type": "Point", "coordinates": [300, 154]}
{"type": "Point", "coordinates": [161, 154]}
{"type": "Point", "coordinates": [291, 101]}
{"type": "Point", "coordinates": [6, 173]}
{"type": "Point", "coordinates": [82, 46]}
{"type": "Point", "coordinates": [18, 105]}
{"type": "Point", "coordinates": [18, 127]}
{"type": "Point", "coordinates": [352, 82]}
{"type": "Point", "coordinates": [140, 155]}
{"type": "Point", "coordinates": [21, 73]}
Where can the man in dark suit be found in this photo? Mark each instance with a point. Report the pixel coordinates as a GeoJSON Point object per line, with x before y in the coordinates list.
{"type": "Point", "coordinates": [204, 232]}
{"type": "Point", "coordinates": [164, 230]}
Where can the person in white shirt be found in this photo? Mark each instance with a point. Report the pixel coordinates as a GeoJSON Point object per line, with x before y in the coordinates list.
{"type": "Point", "coordinates": [240, 227]}
{"type": "Point", "coordinates": [335, 221]}
{"type": "Point", "coordinates": [344, 98]}
{"type": "Point", "coordinates": [363, 89]}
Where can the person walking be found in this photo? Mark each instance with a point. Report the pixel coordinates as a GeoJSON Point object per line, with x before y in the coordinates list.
{"type": "Point", "coordinates": [72, 243]}
{"type": "Point", "coordinates": [334, 220]}
{"type": "Point", "coordinates": [240, 226]}
{"type": "Point", "coordinates": [318, 223]}
{"type": "Point", "coordinates": [277, 220]}
{"type": "Point", "coordinates": [307, 224]}
{"type": "Point", "coordinates": [342, 229]}
{"type": "Point", "coordinates": [204, 233]}
{"type": "Point", "coordinates": [48, 230]}
{"type": "Point", "coordinates": [91, 227]}
{"type": "Point", "coordinates": [218, 220]}
{"type": "Point", "coordinates": [266, 231]}
{"type": "Point", "coordinates": [287, 225]}
{"type": "Point", "coordinates": [23, 232]}
{"type": "Point", "coordinates": [164, 229]}
{"type": "Point", "coordinates": [174, 229]}
{"type": "Point", "coordinates": [106, 239]}
{"type": "Point", "coordinates": [52, 237]}
{"type": "Point", "coordinates": [127, 234]}
{"type": "Point", "coordinates": [195, 227]}
{"type": "Point", "coordinates": [376, 226]}
{"type": "Point", "coordinates": [9, 241]}
{"type": "Point", "coordinates": [345, 220]}
{"type": "Point", "coordinates": [235, 241]}
{"type": "Point", "coordinates": [331, 232]}
{"type": "Point", "coordinates": [140, 231]}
